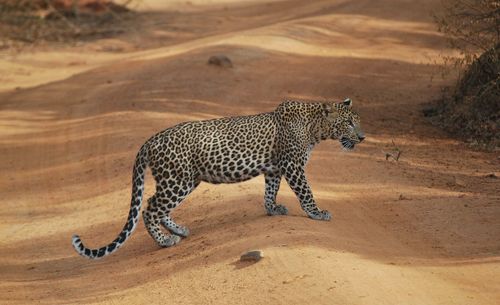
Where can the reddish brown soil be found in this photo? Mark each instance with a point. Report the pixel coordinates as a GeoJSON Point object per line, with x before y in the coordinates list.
{"type": "Point", "coordinates": [423, 230]}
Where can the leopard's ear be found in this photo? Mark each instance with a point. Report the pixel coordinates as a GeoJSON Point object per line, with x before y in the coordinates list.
{"type": "Point", "coordinates": [330, 111]}
{"type": "Point", "coordinates": [347, 102]}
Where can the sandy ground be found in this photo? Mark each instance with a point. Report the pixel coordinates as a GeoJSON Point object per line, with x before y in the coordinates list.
{"type": "Point", "coordinates": [424, 230]}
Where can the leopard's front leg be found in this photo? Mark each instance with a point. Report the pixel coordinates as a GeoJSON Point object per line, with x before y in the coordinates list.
{"type": "Point", "coordinates": [273, 180]}
{"type": "Point", "coordinates": [296, 178]}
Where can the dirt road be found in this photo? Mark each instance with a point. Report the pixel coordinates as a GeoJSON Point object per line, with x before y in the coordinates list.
{"type": "Point", "coordinates": [423, 230]}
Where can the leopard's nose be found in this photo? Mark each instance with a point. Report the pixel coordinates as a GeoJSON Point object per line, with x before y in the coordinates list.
{"type": "Point", "coordinates": [361, 138]}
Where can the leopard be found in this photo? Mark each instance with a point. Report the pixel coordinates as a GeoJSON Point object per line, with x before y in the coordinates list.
{"type": "Point", "coordinates": [276, 144]}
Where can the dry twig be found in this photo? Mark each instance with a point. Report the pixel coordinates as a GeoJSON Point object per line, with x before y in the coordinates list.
{"type": "Point", "coordinates": [395, 152]}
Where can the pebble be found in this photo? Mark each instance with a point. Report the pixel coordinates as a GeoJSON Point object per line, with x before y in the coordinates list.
{"type": "Point", "coordinates": [221, 61]}
{"type": "Point", "coordinates": [254, 255]}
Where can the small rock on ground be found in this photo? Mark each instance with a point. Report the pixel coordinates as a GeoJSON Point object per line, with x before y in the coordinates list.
{"type": "Point", "coordinates": [255, 256]}
{"type": "Point", "coordinates": [221, 61]}
{"type": "Point", "coordinates": [460, 182]}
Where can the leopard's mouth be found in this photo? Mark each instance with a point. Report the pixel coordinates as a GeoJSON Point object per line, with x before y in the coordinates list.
{"type": "Point", "coordinates": [347, 144]}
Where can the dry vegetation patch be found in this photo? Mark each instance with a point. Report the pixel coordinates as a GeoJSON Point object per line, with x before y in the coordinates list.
{"type": "Point", "coordinates": [27, 22]}
{"type": "Point", "coordinates": [471, 110]}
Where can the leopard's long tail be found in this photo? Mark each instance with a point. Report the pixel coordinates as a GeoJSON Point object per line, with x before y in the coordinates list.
{"type": "Point", "coordinates": [133, 217]}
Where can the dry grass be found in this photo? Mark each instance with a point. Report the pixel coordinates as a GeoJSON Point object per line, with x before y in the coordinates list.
{"type": "Point", "coordinates": [471, 110]}
{"type": "Point", "coordinates": [28, 22]}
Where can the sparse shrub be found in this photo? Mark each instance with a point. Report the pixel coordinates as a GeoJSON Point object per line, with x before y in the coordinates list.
{"type": "Point", "coordinates": [472, 109]}
{"type": "Point", "coordinates": [33, 21]}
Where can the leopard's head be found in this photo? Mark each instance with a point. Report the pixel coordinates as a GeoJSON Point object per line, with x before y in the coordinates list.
{"type": "Point", "coordinates": [342, 123]}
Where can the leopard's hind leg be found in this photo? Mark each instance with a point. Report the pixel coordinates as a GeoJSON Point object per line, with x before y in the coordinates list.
{"type": "Point", "coordinates": [152, 216]}
{"type": "Point", "coordinates": [169, 195]}
{"type": "Point", "coordinates": [172, 199]}
{"type": "Point", "coordinates": [273, 180]}
{"type": "Point", "coordinates": [176, 229]}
